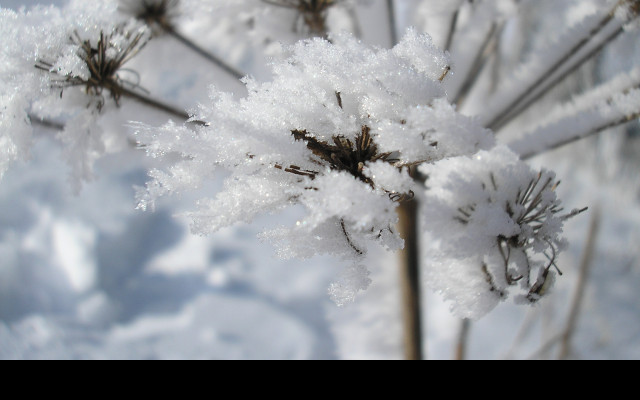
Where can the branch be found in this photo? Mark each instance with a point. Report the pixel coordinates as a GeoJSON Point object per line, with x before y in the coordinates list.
{"type": "Point", "coordinates": [155, 104]}
{"type": "Point", "coordinates": [519, 103]}
{"type": "Point", "coordinates": [463, 339]}
{"type": "Point", "coordinates": [585, 269]}
{"type": "Point", "coordinates": [393, 25]}
{"type": "Point", "coordinates": [484, 52]}
{"type": "Point", "coordinates": [452, 29]}
{"type": "Point", "coordinates": [236, 73]}
{"type": "Point", "coordinates": [410, 281]}
{"type": "Point", "coordinates": [46, 123]}
{"type": "Point", "coordinates": [561, 143]}
{"type": "Point", "coordinates": [524, 106]}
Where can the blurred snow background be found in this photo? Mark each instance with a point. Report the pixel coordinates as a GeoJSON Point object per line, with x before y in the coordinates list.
{"type": "Point", "coordinates": [86, 277]}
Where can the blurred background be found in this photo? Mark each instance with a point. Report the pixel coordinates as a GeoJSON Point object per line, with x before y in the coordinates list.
{"type": "Point", "coordinates": [88, 276]}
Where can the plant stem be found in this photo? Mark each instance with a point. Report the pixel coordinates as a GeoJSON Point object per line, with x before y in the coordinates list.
{"type": "Point", "coordinates": [600, 129]}
{"type": "Point", "coordinates": [410, 255]}
{"type": "Point", "coordinates": [463, 340]}
{"type": "Point", "coordinates": [410, 281]}
{"type": "Point", "coordinates": [537, 95]}
{"type": "Point", "coordinates": [508, 114]}
{"type": "Point", "coordinates": [452, 29]}
{"type": "Point", "coordinates": [487, 48]}
{"type": "Point", "coordinates": [155, 104]}
{"type": "Point", "coordinates": [45, 123]}
{"type": "Point", "coordinates": [237, 74]}
{"type": "Point", "coordinates": [393, 25]}
{"type": "Point", "coordinates": [585, 269]}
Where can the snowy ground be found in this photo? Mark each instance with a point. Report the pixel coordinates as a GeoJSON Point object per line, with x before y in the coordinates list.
{"type": "Point", "coordinates": [89, 277]}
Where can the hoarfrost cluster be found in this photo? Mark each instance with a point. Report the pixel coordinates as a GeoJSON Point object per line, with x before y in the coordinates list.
{"type": "Point", "coordinates": [336, 131]}
{"type": "Point", "coordinates": [65, 66]}
{"type": "Point", "coordinates": [494, 226]}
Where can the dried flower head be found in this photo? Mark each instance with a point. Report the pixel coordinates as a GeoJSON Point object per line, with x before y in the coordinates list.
{"type": "Point", "coordinates": [101, 63]}
{"type": "Point", "coordinates": [535, 211]}
{"type": "Point", "coordinates": [159, 15]}
{"type": "Point", "coordinates": [343, 154]}
{"type": "Point", "coordinates": [335, 132]}
{"type": "Point", "coordinates": [313, 13]}
{"type": "Point", "coordinates": [505, 224]}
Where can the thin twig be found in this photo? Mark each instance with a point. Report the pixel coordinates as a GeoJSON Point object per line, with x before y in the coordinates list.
{"type": "Point", "coordinates": [507, 114]}
{"type": "Point", "coordinates": [545, 348]}
{"type": "Point", "coordinates": [525, 105]}
{"type": "Point", "coordinates": [452, 29]}
{"type": "Point", "coordinates": [346, 235]}
{"type": "Point", "coordinates": [463, 340]}
{"type": "Point", "coordinates": [600, 129]}
{"type": "Point", "coordinates": [149, 102]}
{"type": "Point", "coordinates": [236, 73]}
{"type": "Point", "coordinates": [480, 61]}
{"type": "Point", "coordinates": [583, 278]}
{"type": "Point", "coordinates": [393, 25]}
{"type": "Point", "coordinates": [46, 123]}
{"type": "Point", "coordinates": [523, 333]}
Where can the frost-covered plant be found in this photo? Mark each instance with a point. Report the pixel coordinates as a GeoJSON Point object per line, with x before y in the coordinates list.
{"type": "Point", "coordinates": [46, 50]}
{"type": "Point", "coordinates": [495, 225]}
{"type": "Point", "coordinates": [336, 131]}
{"type": "Point", "coordinates": [67, 68]}
{"type": "Point", "coordinates": [341, 127]}
{"type": "Point", "coordinates": [99, 63]}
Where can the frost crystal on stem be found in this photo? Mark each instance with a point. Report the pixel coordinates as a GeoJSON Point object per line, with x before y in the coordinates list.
{"type": "Point", "coordinates": [335, 132]}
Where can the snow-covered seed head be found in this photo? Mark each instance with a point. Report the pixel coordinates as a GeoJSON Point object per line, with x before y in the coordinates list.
{"type": "Point", "coordinates": [347, 156]}
{"type": "Point", "coordinates": [495, 228]}
{"type": "Point", "coordinates": [157, 14]}
{"type": "Point", "coordinates": [312, 12]}
{"type": "Point", "coordinates": [535, 213]}
{"type": "Point", "coordinates": [103, 59]}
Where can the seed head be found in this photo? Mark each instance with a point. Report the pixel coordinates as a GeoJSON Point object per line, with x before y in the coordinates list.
{"type": "Point", "coordinates": [104, 59]}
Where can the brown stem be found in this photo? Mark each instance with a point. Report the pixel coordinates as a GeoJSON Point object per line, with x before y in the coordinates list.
{"type": "Point", "coordinates": [155, 104]}
{"type": "Point", "coordinates": [463, 340]}
{"type": "Point", "coordinates": [393, 25]}
{"type": "Point", "coordinates": [585, 270]}
{"type": "Point", "coordinates": [236, 73]}
{"type": "Point", "coordinates": [410, 281]}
